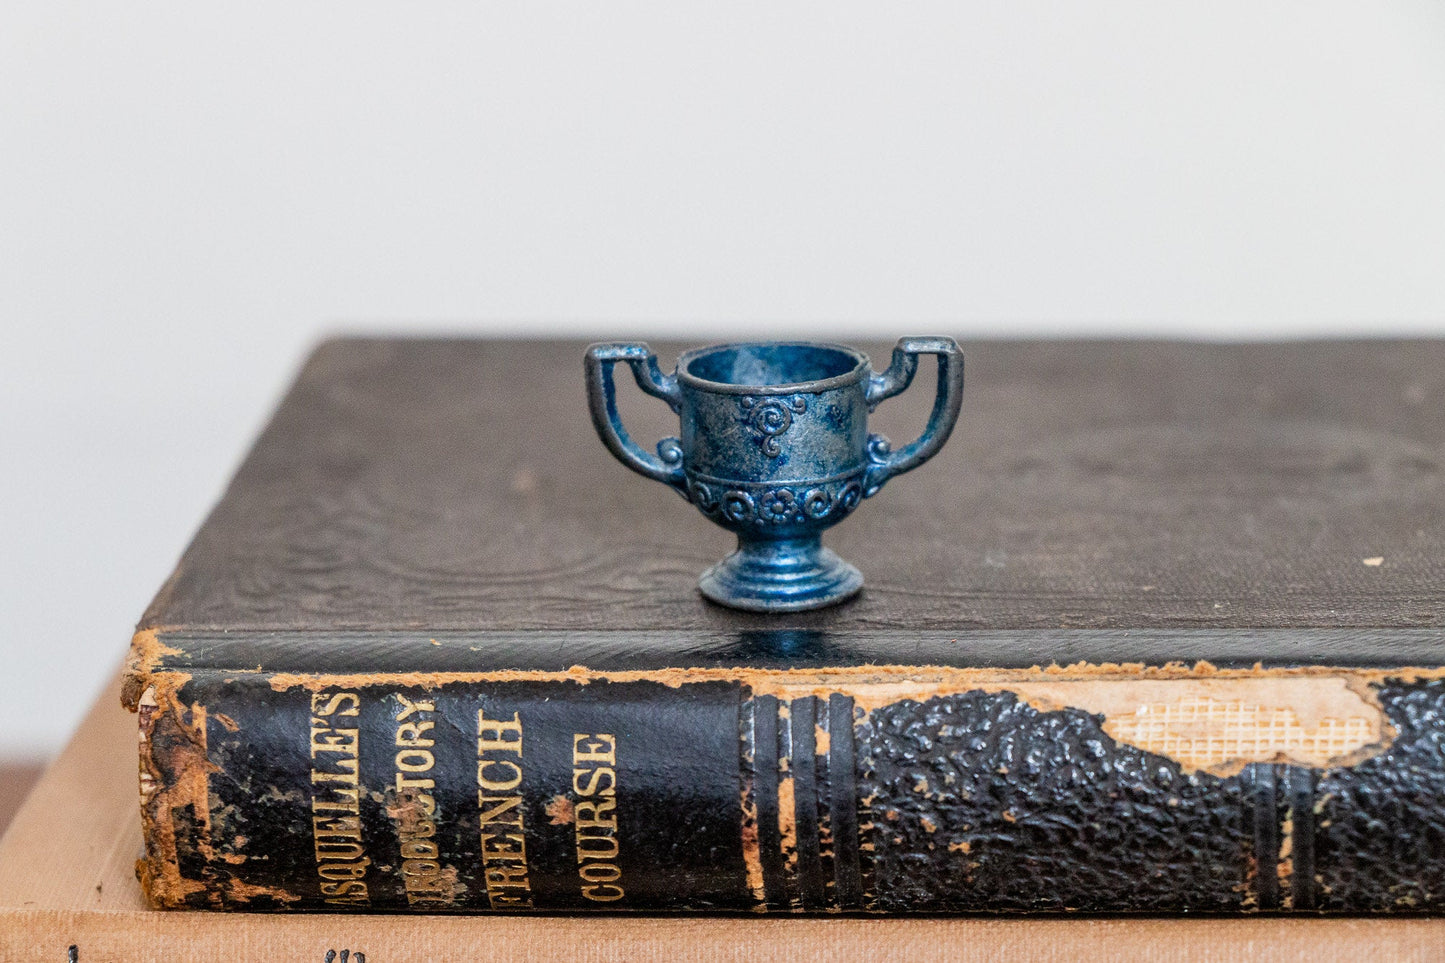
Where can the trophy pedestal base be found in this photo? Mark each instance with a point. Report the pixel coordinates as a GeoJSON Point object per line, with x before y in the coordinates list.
{"type": "Point", "coordinates": [780, 575]}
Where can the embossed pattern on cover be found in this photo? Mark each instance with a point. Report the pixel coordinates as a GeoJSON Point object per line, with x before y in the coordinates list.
{"type": "Point", "coordinates": [1124, 485]}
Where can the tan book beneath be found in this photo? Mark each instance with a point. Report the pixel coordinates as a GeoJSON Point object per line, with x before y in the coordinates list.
{"type": "Point", "coordinates": [68, 892]}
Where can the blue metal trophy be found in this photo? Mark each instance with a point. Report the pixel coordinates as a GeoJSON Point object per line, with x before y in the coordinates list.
{"type": "Point", "coordinates": [775, 447]}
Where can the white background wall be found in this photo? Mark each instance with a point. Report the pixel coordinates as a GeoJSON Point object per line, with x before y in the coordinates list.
{"type": "Point", "coordinates": [191, 192]}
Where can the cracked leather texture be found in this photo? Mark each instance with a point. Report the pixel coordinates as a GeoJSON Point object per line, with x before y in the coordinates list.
{"type": "Point", "coordinates": [981, 802]}
{"type": "Point", "coordinates": [1380, 836]}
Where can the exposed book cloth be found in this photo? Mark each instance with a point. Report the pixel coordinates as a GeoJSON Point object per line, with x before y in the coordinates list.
{"type": "Point", "coordinates": [1160, 630]}
{"type": "Point", "coordinates": [68, 891]}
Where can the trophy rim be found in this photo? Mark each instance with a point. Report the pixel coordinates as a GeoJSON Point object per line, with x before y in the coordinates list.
{"type": "Point", "coordinates": [859, 371]}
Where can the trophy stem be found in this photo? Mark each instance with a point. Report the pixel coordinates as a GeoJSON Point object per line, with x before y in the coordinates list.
{"type": "Point", "coordinates": [780, 575]}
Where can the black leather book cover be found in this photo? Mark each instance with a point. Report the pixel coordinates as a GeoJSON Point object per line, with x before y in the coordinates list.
{"type": "Point", "coordinates": [1160, 630]}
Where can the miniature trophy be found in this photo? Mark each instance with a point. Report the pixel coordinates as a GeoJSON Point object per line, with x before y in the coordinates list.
{"type": "Point", "coordinates": [775, 447]}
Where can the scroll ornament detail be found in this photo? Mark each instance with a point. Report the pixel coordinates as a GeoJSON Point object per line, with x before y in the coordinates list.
{"type": "Point", "coordinates": [776, 504]}
{"type": "Point", "coordinates": [767, 418]}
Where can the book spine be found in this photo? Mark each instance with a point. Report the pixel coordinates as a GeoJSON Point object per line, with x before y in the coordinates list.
{"type": "Point", "coordinates": [449, 793]}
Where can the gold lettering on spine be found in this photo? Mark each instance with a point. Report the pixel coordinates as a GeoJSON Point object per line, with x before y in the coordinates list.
{"type": "Point", "coordinates": [341, 860]}
{"type": "Point", "coordinates": [748, 799]}
{"type": "Point", "coordinates": [787, 804]}
{"type": "Point", "coordinates": [504, 843]}
{"type": "Point", "coordinates": [594, 781]}
{"type": "Point", "coordinates": [413, 811]}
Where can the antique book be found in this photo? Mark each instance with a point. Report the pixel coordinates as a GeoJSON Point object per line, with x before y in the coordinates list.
{"type": "Point", "coordinates": [68, 892]}
{"type": "Point", "coordinates": [1160, 630]}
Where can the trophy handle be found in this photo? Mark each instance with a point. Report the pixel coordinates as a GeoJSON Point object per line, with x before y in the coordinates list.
{"type": "Point", "coordinates": [666, 465]}
{"type": "Point", "coordinates": [884, 463]}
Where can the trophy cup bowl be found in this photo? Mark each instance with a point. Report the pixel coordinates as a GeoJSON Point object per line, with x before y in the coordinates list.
{"type": "Point", "coordinates": [774, 446]}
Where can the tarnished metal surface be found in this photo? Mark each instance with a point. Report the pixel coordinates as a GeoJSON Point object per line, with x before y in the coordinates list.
{"type": "Point", "coordinates": [775, 447]}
